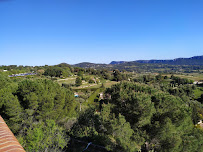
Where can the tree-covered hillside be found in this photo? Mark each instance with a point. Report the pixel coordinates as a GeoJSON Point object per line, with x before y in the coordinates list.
{"type": "Point", "coordinates": [64, 108]}
{"type": "Point", "coordinates": [33, 110]}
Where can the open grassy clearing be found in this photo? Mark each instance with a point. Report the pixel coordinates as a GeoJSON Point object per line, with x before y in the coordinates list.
{"type": "Point", "coordinates": [191, 76]}
{"type": "Point", "coordinates": [195, 76]}
{"type": "Point", "coordinates": [108, 83]}
{"type": "Point", "coordinates": [70, 80]}
{"type": "Point", "coordinates": [87, 86]}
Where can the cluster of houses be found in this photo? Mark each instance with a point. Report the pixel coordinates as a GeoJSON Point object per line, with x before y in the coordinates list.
{"type": "Point", "coordinates": [21, 74]}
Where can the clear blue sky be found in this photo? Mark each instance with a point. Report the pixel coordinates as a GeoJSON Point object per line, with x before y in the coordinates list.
{"type": "Point", "coordinates": [39, 32]}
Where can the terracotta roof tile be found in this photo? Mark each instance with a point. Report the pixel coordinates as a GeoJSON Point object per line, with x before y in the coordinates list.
{"type": "Point", "coordinates": [8, 142]}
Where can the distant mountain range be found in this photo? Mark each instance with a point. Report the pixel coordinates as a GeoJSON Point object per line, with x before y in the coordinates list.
{"type": "Point", "coordinates": [196, 60]}
{"type": "Point", "coordinates": [117, 62]}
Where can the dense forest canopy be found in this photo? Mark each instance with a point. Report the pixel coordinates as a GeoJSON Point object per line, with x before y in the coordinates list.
{"type": "Point", "coordinates": [58, 109]}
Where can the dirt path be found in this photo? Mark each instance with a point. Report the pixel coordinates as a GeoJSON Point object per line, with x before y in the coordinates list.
{"type": "Point", "coordinates": [66, 79]}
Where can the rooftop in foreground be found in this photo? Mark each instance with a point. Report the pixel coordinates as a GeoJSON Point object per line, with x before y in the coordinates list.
{"type": "Point", "coordinates": [8, 142]}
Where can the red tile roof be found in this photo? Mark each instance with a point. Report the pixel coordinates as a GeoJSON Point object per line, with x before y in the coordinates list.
{"type": "Point", "coordinates": [8, 142]}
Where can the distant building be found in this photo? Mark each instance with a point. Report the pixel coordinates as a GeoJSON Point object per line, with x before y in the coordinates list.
{"type": "Point", "coordinates": [76, 94]}
{"type": "Point", "coordinates": [197, 82]}
{"type": "Point", "coordinates": [21, 74]}
{"type": "Point", "coordinates": [200, 123]}
{"type": "Point", "coordinates": [101, 96]}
